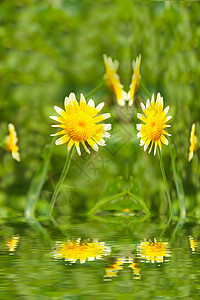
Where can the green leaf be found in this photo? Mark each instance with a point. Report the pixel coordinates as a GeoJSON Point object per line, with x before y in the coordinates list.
{"type": "Point", "coordinates": [38, 182]}
{"type": "Point", "coordinates": [178, 183]}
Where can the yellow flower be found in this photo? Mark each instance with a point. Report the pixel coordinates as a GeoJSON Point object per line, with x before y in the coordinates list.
{"type": "Point", "coordinates": [192, 243]}
{"type": "Point", "coordinates": [135, 79]}
{"type": "Point", "coordinates": [80, 123]}
{"type": "Point", "coordinates": [153, 251]}
{"type": "Point", "coordinates": [12, 244]}
{"type": "Point", "coordinates": [114, 80]}
{"type": "Point", "coordinates": [11, 142]}
{"type": "Point", "coordinates": [193, 142]}
{"type": "Point", "coordinates": [154, 122]}
{"type": "Point", "coordinates": [73, 251]}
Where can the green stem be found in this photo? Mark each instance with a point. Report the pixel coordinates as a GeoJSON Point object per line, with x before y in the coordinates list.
{"type": "Point", "coordinates": [38, 182]}
{"type": "Point", "coordinates": [178, 227]}
{"type": "Point", "coordinates": [140, 201]}
{"type": "Point", "coordinates": [165, 227]}
{"type": "Point", "coordinates": [60, 181]}
{"type": "Point", "coordinates": [105, 201]}
{"type": "Point", "coordinates": [165, 181]}
{"type": "Point", "coordinates": [143, 87]}
{"type": "Point", "coordinates": [96, 89]}
{"type": "Point", "coordinates": [57, 225]}
{"type": "Point", "coordinates": [178, 183]}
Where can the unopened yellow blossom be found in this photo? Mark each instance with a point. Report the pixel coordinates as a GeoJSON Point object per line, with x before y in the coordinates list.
{"type": "Point", "coordinates": [12, 244]}
{"type": "Point", "coordinates": [80, 250]}
{"type": "Point", "coordinates": [153, 251]}
{"type": "Point", "coordinates": [81, 123]}
{"type": "Point", "coordinates": [135, 79]}
{"type": "Point", "coordinates": [152, 131]}
{"type": "Point", "coordinates": [193, 142]}
{"type": "Point", "coordinates": [11, 142]}
{"type": "Point", "coordinates": [114, 80]}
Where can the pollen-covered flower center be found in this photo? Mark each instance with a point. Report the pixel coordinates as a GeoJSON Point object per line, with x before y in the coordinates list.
{"type": "Point", "coordinates": [154, 127]}
{"type": "Point", "coordinates": [80, 126]}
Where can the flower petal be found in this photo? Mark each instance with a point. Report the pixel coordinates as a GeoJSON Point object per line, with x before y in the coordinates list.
{"type": "Point", "coordinates": [62, 140]}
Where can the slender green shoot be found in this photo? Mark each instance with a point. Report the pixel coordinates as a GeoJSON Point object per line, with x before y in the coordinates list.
{"type": "Point", "coordinates": [165, 181]}
{"type": "Point", "coordinates": [140, 201]}
{"type": "Point", "coordinates": [178, 183]}
{"type": "Point", "coordinates": [38, 182]}
{"type": "Point", "coordinates": [143, 87]}
{"type": "Point", "coordinates": [165, 227]}
{"type": "Point", "coordinates": [95, 90]}
{"type": "Point", "coordinates": [102, 202]}
{"type": "Point", "coordinates": [60, 181]}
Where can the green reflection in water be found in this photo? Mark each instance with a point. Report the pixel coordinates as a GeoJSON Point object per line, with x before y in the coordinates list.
{"type": "Point", "coordinates": [114, 254]}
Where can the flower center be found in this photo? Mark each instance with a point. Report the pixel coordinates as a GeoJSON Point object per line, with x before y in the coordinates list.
{"type": "Point", "coordinates": [154, 127]}
{"type": "Point", "coordinates": [80, 126]}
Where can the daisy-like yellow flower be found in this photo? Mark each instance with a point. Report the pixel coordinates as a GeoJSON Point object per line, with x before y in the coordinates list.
{"type": "Point", "coordinates": [11, 142]}
{"type": "Point", "coordinates": [153, 251]}
{"type": "Point", "coordinates": [152, 131]}
{"type": "Point", "coordinates": [80, 123]}
{"type": "Point", "coordinates": [114, 80]}
{"type": "Point", "coordinates": [193, 142]}
{"type": "Point", "coordinates": [135, 79]}
{"type": "Point", "coordinates": [12, 244]}
{"type": "Point", "coordinates": [80, 250]}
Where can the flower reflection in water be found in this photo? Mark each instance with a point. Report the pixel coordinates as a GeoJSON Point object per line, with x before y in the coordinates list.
{"type": "Point", "coordinates": [113, 269]}
{"type": "Point", "coordinates": [193, 243]}
{"type": "Point", "coordinates": [12, 244]}
{"type": "Point", "coordinates": [72, 251]}
{"type": "Point", "coordinates": [153, 251]}
{"type": "Point", "coordinates": [136, 270]}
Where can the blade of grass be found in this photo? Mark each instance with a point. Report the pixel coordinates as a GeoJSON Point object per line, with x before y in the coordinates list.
{"type": "Point", "coordinates": [144, 89]}
{"type": "Point", "coordinates": [35, 224]}
{"type": "Point", "coordinates": [95, 90]}
{"type": "Point", "coordinates": [38, 182]}
{"type": "Point", "coordinates": [102, 202]}
{"type": "Point", "coordinates": [165, 181]}
{"type": "Point", "coordinates": [60, 181]}
{"type": "Point", "coordinates": [108, 200]}
{"type": "Point", "coordinates": [178, 183]}
{"type": "Point", "coordinates": [178, 227]}
{"type": "Point", "coordinates": [140, 201]}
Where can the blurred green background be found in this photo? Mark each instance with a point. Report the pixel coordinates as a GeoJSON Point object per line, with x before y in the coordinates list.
{"type": "Point", "coordinates": [50, 48]}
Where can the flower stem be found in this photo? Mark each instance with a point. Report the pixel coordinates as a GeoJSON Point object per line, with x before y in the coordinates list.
{"type": "Point", "coordinates": [60, 181]}
{"type": "Point", "coordinates": [178, 182]}
{"type": "Point", "coordinates": [38, 182]}
{"type": "Point", "coordinates": [143, 87]}
{"type": "Point", "coordinates": [165, 181]}
{"type": "Point", "coordinates": [96, 89]}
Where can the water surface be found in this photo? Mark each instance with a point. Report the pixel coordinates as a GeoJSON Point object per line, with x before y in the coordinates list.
{"type": "Point", "coordinates": [112, 258]}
